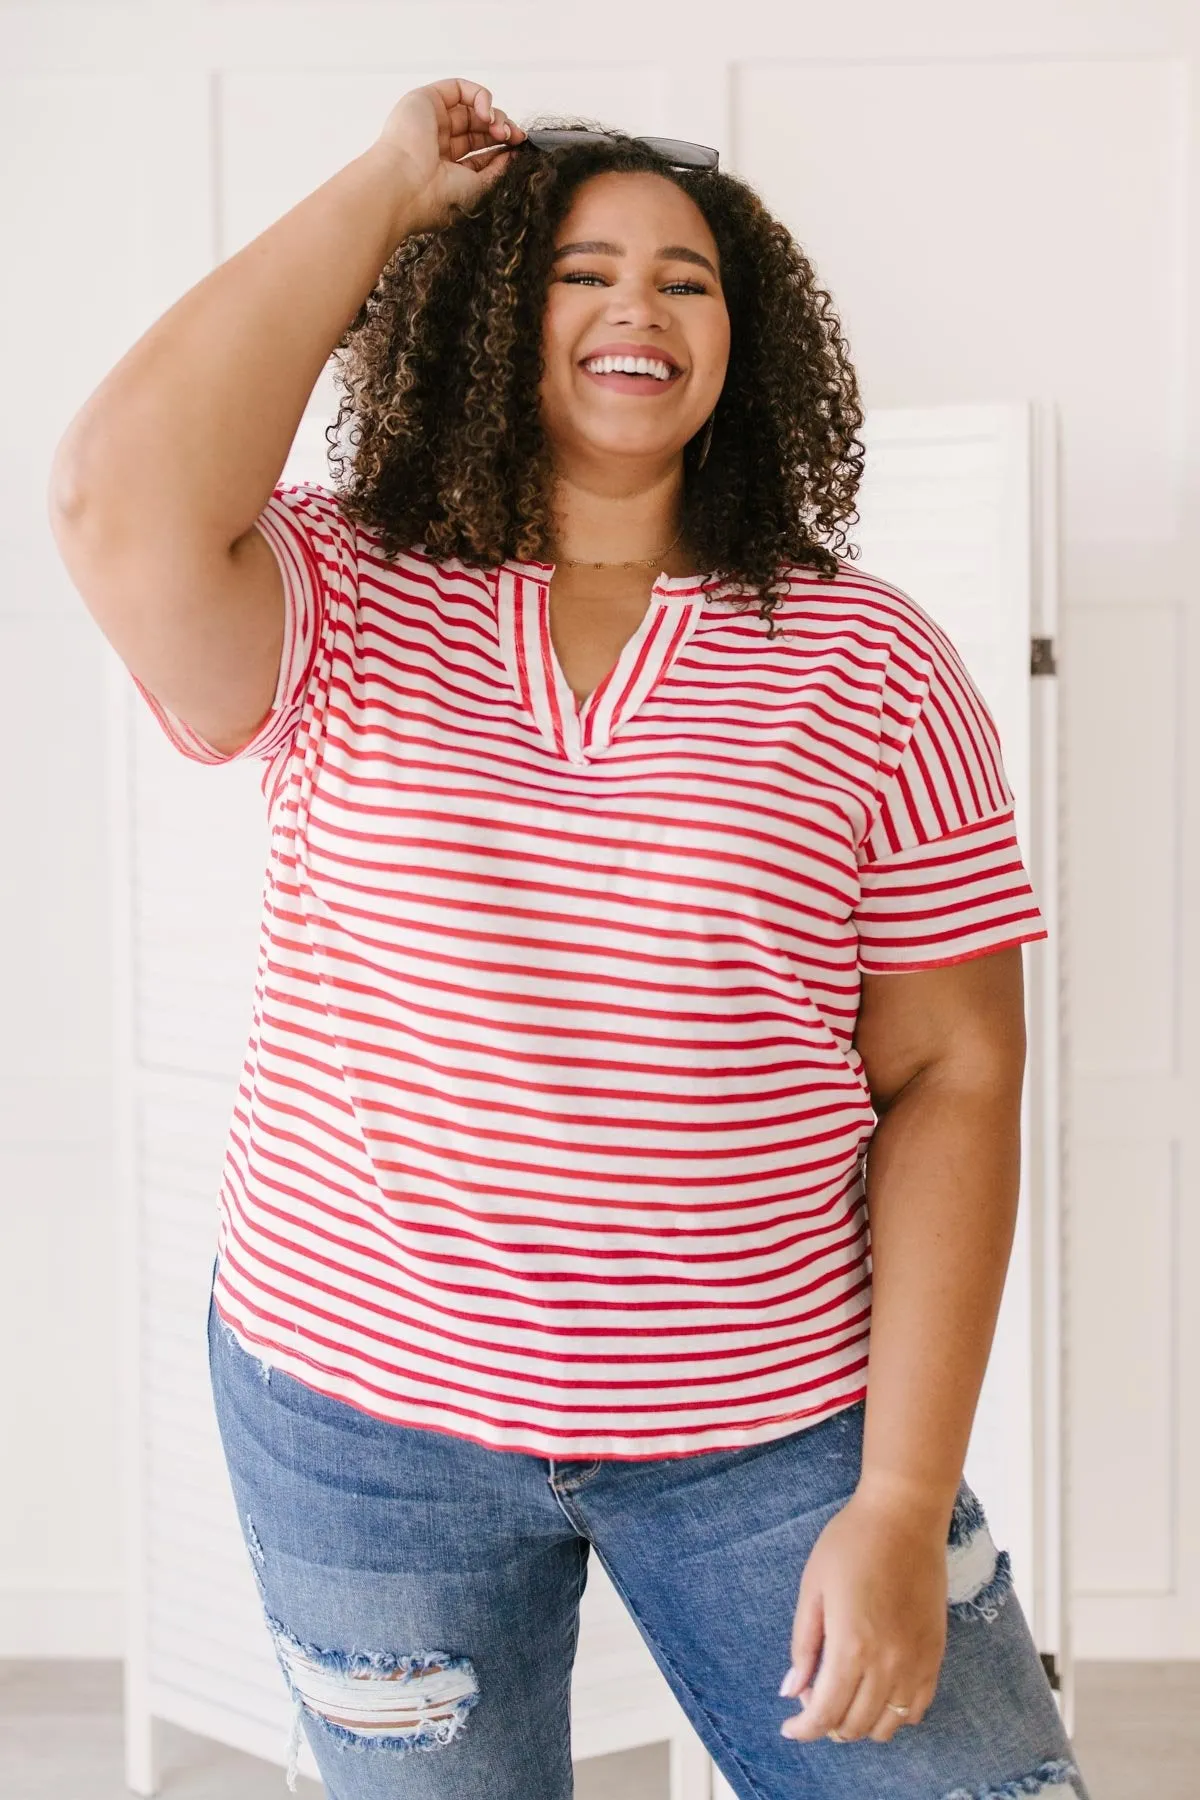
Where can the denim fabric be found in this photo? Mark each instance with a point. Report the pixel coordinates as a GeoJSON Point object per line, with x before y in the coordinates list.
{"type": "Point", "coordinates": [390, 1554]}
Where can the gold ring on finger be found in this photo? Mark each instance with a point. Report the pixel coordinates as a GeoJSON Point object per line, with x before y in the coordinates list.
{"type": "Point", "coordinates": [892, 1707]}
{"type": "Point", "coordinates": [836, 1736]}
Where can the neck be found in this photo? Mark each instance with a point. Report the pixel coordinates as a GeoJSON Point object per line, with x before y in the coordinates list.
{"type": "Point", "coordinates": [618, 522]}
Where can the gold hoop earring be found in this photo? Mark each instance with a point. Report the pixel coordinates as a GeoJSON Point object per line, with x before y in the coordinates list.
{"type": "Point", "coordinates": [707, 444]}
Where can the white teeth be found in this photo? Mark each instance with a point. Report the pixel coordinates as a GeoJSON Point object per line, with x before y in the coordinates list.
{"type": "Point", "coordinates": [629, 365]}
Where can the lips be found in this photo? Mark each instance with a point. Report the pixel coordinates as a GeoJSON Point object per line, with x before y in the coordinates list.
{"type": "Point", "coordinates": [655, 352]}
{"type": "Point", "coordinates": [643, 387]}
{"type": "Point", "coordinates": [658, 375]}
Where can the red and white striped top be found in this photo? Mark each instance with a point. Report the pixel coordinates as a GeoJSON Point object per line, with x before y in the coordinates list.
{"type": "Point", "coordinates": [550, 1130]}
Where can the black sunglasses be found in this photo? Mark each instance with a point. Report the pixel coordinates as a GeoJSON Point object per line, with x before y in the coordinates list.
{"type": "Point", "coordinates": [675, 151]}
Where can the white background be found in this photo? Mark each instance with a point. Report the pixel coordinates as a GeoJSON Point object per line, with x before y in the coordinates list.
{"type": "Point", "coordinates": [1003, 202]}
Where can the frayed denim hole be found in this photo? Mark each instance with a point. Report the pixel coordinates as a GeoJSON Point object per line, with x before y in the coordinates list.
{"type": "Point", "coordinates": [967, 1518]}
{"type": "Point", "coordinates": [979, 1577]}
{"type": "Point", "coordinates": [371, 1701]}
{"type": "Point", "coordinates": [231, 1337]}
{"type": "Point", "coordinates": [1051, 1779]}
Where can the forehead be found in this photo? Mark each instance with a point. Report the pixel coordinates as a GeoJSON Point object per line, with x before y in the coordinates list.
{"type": "Point", "coordinates": [637, 211]}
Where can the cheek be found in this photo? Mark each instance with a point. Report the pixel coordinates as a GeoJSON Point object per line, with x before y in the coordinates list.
{"type": "Point", "coordinates": [558, 335]}
{"type": "Point", "coordinates": [552, 389]}
{"type": "Point", "coordinates": [717, 345]}
{"type": "Point", "coordinates": [708, 347]}
{"type": "Point", "coordinates": [562, 325]}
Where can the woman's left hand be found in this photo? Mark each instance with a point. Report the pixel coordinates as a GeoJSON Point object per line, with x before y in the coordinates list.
{"type": "Point", "coordinates": [872, 1612]}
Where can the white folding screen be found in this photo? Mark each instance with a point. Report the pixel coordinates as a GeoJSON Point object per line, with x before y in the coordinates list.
{"type": "Point", "coordinates": [946, 515]}
{"type": "Point", "coordinates": [958, 508]}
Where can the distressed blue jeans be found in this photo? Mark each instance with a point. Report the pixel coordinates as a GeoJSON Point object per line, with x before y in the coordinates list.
{"type": "Point", "coordinates": [423, 1596]}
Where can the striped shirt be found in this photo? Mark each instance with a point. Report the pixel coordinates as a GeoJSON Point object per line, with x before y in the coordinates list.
{"type": "Point", "coordinates": [550, 1131]}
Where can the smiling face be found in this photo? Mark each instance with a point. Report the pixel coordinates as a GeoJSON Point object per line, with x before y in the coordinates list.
{"type": "Point", "coordinates": [636, 276]}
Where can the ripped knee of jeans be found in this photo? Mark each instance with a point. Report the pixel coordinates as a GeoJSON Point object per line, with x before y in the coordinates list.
{"type": "Point", "coordinates": [979, 1575]}
{"type": "Point", "coordinates": [1049, 1781]}
{"type": "Point", "coordinates": [379, 1700]}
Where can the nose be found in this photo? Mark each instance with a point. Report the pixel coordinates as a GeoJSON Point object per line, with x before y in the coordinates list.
{"type": "Point", "coordinates": [638, 304]}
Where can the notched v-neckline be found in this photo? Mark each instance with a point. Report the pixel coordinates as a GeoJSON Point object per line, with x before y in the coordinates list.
{"type": "Point", "coordinates": [581, 731]}
{"type": "Point", "coordinates": [591, 634]}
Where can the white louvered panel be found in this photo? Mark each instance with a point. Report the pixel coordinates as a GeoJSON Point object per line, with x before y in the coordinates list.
{"type": "Point", "coordinates": [200, 1665]}
{"type": "Point", "coordinates": [200, 857]}
{"type": "Point", "coordinates": [207, 1643]}
{"type": "Point", "coordinates": [945, 515]}
{"type": "Point", "coordinates": [174, 1331]}
{"type": "Point", "coordinates": [173, 1392]}
{"type": "Point", "coordinates": [224, 1724]}
{"type": "Point", "coordinates": [226, 1641]}
{"type": "Point", "coordinates": [619, 1696]}
{"type": "Point", "coordinates": [616, 1715]}
{"type": "Point", "coordinates": [250, 1682]}
{"type": "Point", "coordinates": [217, 1599]}
{"type": "Point", "coordinates": [174, 1371]}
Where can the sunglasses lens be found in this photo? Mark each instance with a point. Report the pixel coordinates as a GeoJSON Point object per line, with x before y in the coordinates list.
{"type": "Point", "coordinates": [684, 155]}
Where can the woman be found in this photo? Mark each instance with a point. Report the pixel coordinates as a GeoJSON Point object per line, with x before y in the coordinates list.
{"type": "Point", "coordinates": [637, 863]}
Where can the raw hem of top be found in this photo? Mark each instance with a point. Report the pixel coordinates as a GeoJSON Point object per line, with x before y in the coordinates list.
{"type": "Point", "coordinates": [764, 1432]}
{"type": "Point", "coordinates": [948, 962]}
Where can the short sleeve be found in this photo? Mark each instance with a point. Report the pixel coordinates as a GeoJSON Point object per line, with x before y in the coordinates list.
{"type": "Point", "coordinates": [941, 876]}
{"type": "Point", "coordinates": [313, 545]}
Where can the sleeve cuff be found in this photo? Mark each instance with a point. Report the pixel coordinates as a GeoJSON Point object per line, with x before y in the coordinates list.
{"type": "Point", "coordinates": [301, 614]}
{"type": "Point", "coordinates": [947, 901]}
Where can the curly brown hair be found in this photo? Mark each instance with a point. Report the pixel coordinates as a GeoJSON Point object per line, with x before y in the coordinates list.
{"type": "Point", "coordinates": [440, 370]}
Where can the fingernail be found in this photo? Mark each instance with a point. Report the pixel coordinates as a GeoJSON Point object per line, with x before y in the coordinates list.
{"type": "Point", "coordinates": [791, 1684]}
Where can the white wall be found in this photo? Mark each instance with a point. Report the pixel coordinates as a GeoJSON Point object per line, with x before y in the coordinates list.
{"type": "Point", "coordinates": [1003, 202]}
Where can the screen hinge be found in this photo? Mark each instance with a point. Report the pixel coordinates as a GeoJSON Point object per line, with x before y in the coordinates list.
{"type": "Point", "coordinates": [1042, 659]}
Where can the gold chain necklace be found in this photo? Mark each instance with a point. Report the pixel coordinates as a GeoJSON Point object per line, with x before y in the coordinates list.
{"type": "Point", "coordinates": [638, 562]}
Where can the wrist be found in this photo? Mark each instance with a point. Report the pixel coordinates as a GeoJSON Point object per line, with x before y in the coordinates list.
{"type": "Point", "coordinates": [408, 211]}
{"type": "Point", "coordinates": [916, 1501]}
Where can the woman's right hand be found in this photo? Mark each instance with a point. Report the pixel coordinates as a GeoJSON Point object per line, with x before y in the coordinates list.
{"type": "Point", "coordinates": [430, 129]}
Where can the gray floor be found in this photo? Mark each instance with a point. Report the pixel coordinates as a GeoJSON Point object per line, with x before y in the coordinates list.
{"type": "Point", "coordinates": [1138, 1738]}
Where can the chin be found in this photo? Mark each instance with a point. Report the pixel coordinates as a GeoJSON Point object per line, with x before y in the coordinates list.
{"type": "Point", "coordinates": [643, 448]}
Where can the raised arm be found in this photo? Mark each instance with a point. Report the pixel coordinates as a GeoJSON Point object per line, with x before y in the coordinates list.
{"type": "Point", "coordinates": [159, 479]}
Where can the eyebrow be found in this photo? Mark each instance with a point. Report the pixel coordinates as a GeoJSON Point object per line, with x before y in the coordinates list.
{"type": "Point", "coordinates": [668, 253]}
